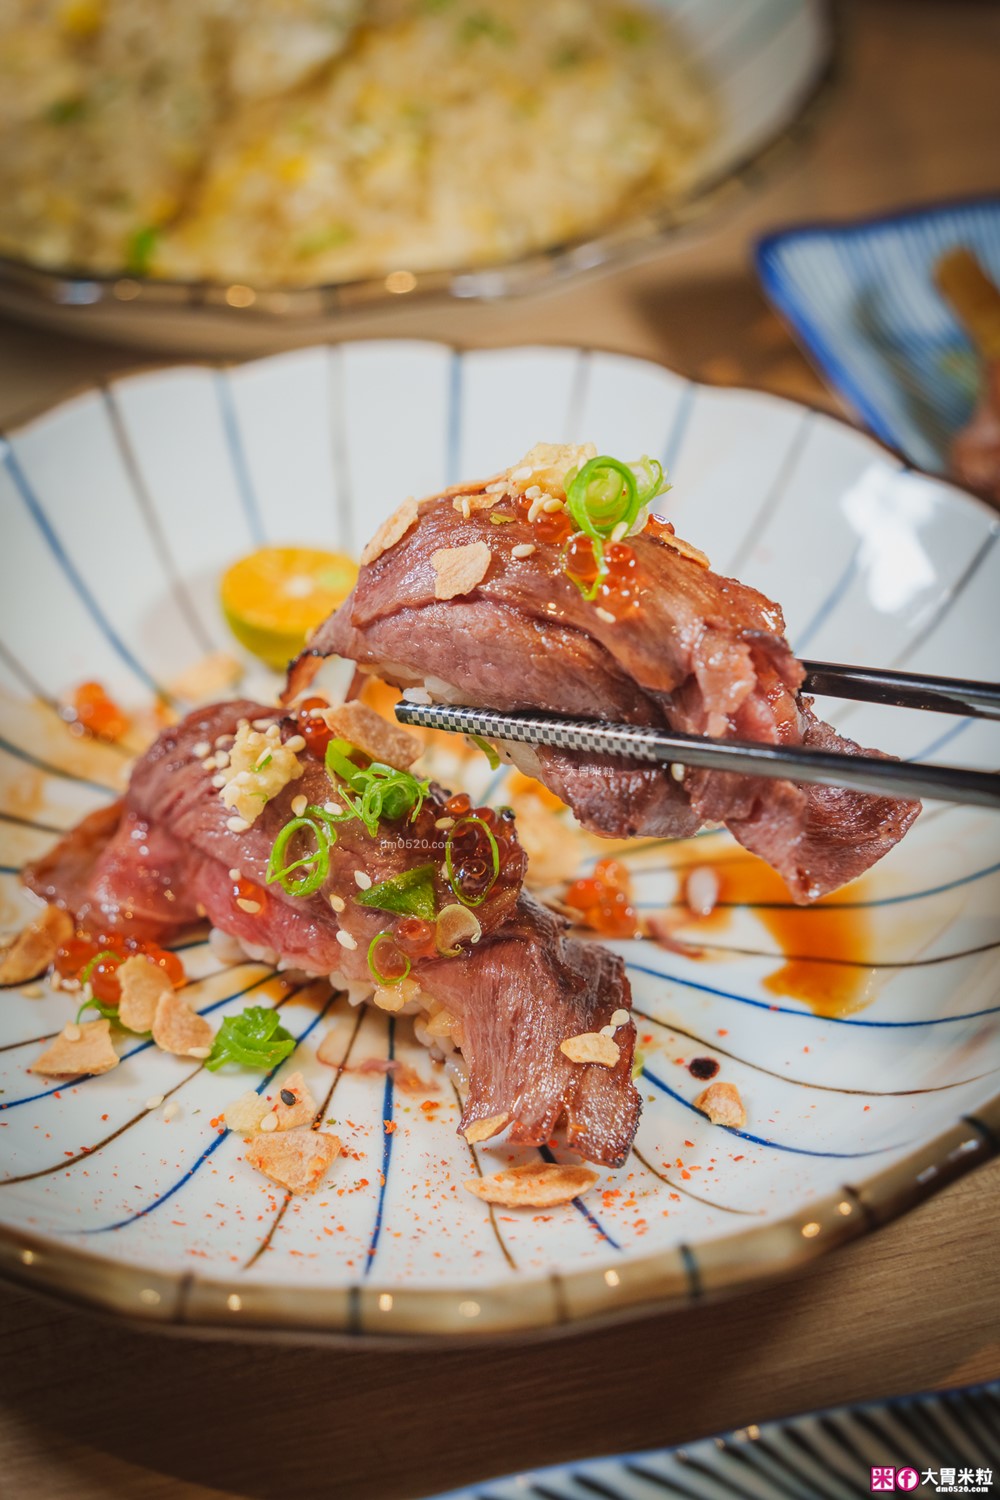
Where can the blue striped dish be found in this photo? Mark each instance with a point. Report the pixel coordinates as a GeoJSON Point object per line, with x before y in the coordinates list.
{"type": "Point", "coordinates": [832, 1455]}
{"type": "Point", "coordinates": [120, 508]}
{"type": "Point", "coordinates": [861, 298]}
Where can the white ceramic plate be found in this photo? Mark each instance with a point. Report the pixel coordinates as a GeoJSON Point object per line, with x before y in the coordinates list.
{"type": "Point", "coordinates": [767, 62]}
{"type": "Point", "coordinates": [119, 509]}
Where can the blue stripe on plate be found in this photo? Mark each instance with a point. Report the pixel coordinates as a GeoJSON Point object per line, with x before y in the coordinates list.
{"type": "Point", "coordinates": [933, 890]}
{"type": "Point", "coordinates": [456, 405]}
{"type": "Point", "coordinates": [582, 1208]}
{"type": "Point", "coordinates": [162, 1198]}
{"type": "Point", "coordinates": [57, 771]}
{"type": "Point", "coordinates": [238, 457]}
{"type": "Point", "coordinates": [808, 1015]}
{"type": "Point", "coordinates": [73, 575]}
{"type": "Point", "coordinates": [387, 1139]}
{"type": "Point", "coordinates": [74, 1083]}
{"type": "Point", "coordinates": [829, 605]}
{"type": "Point", "coordinates": [678, 429]}
{"type": "Point", "coordinates": [759, 1140]}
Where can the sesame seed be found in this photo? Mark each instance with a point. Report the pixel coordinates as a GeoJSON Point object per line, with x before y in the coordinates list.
{"type": "Point", "coordinates": [362, 881]}
{"type": "Point", "coordinates": [250, 907]}
{"type": "Point", "coordinates": [199, 1052]}
{"type": "Point", "coordinates": [235, 874]}
{"type": "Point", "coordinates": [295, 744]}
{"type": "Point", "coordinates": [154, 1102]}
{"type": "Point", "coordinates": [222, 740]}
{"type": "Point", "coordinates": [607, 1031]}
{"type": "Point", "coordinates": [237, 825]}
{"type": "Point", "coordinates": [466, 507]}
{"type": "Point", "coordinates": [532, 492]}
{"type": "Point", "coordinates": [332, 807]}
{"type": "Point", "coordinates": [497, 488]}
{"type": "Point", "coordinates": [263, 724]}
{"type": "Point", "coordinates": [269, 1121]}
{"type": "Point", "coordinates": [337, 902]}
{"type": "Point", "coordinates": [299, 805]}
{"type": "Point", "coordinates": [170, 1109]}
{"type": "Point", "coordinates": [222, 759]}
{"type": "Point", "coordinates": [620, 530]}
{"type": "Point", "coordinates": [200, 750]}
{"type": "Point", "coordinates": [345, 940]}
{"type": "Point", "coordinates": [677, 771]}
{"type": "Point", "coordinates": [445, 823]}
{"type": "Point", "coordinates": [209, 763]}
{"type": "Point", "coordinates": [552, 505]}
{"type": "Point", "coordinates": [537, 507]}
{"type": "Point", "coordinates": [523, 549]}
{"type": "Point", "coordinates": [287, 1097]}
{"type": "Point", "coordinates": [605, 615]}
{"type": "Point", "coordinates": [71, 1031]}
{"type": "Point", "coordinates": [218, 782]}
{"type": "Point", "coordinates": [619, 1018]}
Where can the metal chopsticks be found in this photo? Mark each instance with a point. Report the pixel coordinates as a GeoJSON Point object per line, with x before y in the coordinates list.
{"type": "Point", "coordinates": [944, 695]}
{"type": "Point", "coordinates": [863, 773]}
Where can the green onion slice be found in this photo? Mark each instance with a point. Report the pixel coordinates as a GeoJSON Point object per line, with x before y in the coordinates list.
{"type": "Point", "coordinates": [254, 1039]}
{"type": "Point", "coordinates": [607, 496]}
{"type": "Point", "coordinates": [379, 791]}
{"type": "Point", "coordinates": [602, 495]}
{"type": "Point", "coordinates": [109, 1012]}
{"type": "Point", "coordinates": [449, 860]}
{"type": "Point", "coordinates": [411, 894]}
{"type": "Point", "coordinates": [384, 980]}
{"type": "Point", "coordinates": [487, 749]}
{"type": "Point", "coordinates": [98, 958]}
{"type": "Point", "coordinates": [317, 862]}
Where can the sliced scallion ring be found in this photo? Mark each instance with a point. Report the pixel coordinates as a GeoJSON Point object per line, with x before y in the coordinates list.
{"type": "Point", "coordinates": [317, 862]}
{"type": "Point", "coordinates": [386, 981]}
{"type": "Point", "coordinates": [449, 860]}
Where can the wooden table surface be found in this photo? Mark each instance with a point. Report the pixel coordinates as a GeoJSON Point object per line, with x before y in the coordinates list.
{"type": "Point", "coordinates": [93, 1410]}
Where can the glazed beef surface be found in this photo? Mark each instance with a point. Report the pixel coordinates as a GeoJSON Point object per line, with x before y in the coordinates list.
{"type": "Point", "coordinates": [164, 858]}
{"type": "Point", "coordinates": [688, 649]}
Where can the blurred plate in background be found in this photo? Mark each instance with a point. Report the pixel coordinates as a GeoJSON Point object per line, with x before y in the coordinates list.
{"type": "Point", "coordinates": [831, 1454]}
{"type": "Point", "coordinates": [766, 62]}
{"type": "Point", "coordinates": [861, 299]}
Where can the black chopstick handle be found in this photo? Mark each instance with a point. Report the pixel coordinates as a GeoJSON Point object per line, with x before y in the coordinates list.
{"type": "Point", "coordinates": [862, 773]}
{"type": "Point", "coordinates": [944, 695]}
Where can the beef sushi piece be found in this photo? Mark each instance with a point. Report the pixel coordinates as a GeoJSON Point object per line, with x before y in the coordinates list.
{"type": "Point", "coordinates": [526, 592]}
{"type": "Point", "coordinates": [325, 858]}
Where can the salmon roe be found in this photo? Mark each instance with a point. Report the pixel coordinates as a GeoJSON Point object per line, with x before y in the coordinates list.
{"type": "Point", "coordinates": [604, 900]}
{"type": "Point", "coordinates": [618, 590]}
{"type": "Point", "coordinates": [313, 730]}
{"type": "Point", "coordinates": [656, 527]}
{"type": "Point", "coordinates": [553, 526]}
{"type": "Point", "coordinates": [91, 711]}
{"type": "Point", "coordinates": [246, 890]}
{"type": "Point", "coordinates": [387, 960]}
{"type": "Point", "coordinates": [580, 561]}
{"type": "Point", "coordinates": [110, 950]}
{"type": "Point", "coordinates": [415, 937]}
